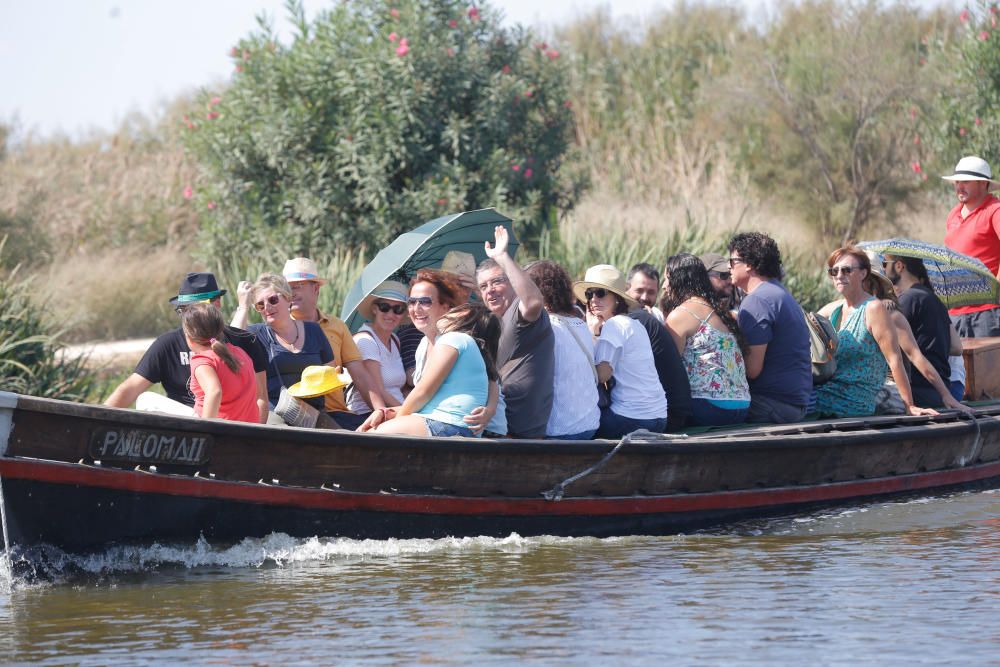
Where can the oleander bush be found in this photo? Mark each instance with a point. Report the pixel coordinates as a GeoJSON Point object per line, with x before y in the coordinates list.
{"type": "Point", "coordinates": [376, 117]}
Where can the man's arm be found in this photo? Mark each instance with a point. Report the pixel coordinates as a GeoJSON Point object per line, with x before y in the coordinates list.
{"type": "Point", "coordinates": [125, 394]}
{"type": "Point", "coordinates": [754, 359]}
{"type": "Point", "coordinates": [531, 300]}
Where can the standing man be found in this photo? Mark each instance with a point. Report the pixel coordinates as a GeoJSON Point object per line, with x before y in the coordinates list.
{"type": "Point", "coordinates": [721, 278]}
{"type": "Point", "coordinates": [526, 355]}
{"type": "Point", "coordinates": [305, 282]}
{"type": "Point", "coordinates": [928, 318]}
{"type": "Point", "coordinates": [973, 228]}
{"type": "Point", "coordinates": [778, 362]}
{"type": "Point", "coordinates": [168, 359]}
{"type": "Point", "coordinates": [644, 286]}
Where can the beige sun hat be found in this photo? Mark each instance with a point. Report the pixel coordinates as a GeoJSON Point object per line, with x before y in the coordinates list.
{"type": "Point", "coordinates": [607, 277]}
{"type": "Point", "coordinates": [316, 381]}
{"type": "Point", "coordinates": [301, 269]}
{"type": "Point", "coordinates": [390, 290]}
{"type": "Point", "coordinates": [460, 263]}
{"type": "Point", "coordinates": [972, 168]}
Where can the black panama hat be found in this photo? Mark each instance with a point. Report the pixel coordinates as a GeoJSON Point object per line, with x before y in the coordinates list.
{"type": "Point", "coordinates": [196, 288]}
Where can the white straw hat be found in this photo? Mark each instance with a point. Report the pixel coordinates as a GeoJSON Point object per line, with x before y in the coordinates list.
{"type": "Point", "coordinates": [972, 168]}
{"type": "Point", "coordinates": [607, 277]}
{"type": "Point", "coordinates": [301, 269]}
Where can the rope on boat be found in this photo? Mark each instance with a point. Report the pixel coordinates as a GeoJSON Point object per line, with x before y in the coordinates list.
{"type": "Point", "coordinates": [977, 445]}
{"type": "Point", "coordinates": [556, 492]}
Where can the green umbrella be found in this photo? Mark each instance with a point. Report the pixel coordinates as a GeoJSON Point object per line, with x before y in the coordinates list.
{"type": "Point", "coordinates": [425, 247]}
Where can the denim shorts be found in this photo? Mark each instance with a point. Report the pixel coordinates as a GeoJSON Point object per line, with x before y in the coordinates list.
{"type": "Point", "coordinates": [444, 430]}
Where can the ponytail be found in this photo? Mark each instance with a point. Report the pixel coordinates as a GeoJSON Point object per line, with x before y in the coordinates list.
{"type": "Point", "coordinates": [203, 324]}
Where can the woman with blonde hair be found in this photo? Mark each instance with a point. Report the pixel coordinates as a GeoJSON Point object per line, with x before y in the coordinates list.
{"type": "Point", "coordinates": [222, 375]}
{"type": "Point", "coordinates": [291, 345]}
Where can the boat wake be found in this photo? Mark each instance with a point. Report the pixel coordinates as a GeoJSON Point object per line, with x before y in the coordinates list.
{"type": "Point", "coordinates": [45, 563]}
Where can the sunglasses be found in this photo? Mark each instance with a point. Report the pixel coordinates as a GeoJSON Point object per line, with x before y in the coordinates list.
{"type": "Point", "coordinates": [736, 260]}
{"type": "Point", "coordinates": [271, 300]}
{"type": "Point", "coordinates": [599, 292]}
{"type": "Point", "coordinates": [721, 275]}
{"type": "Point", "coordinates": [424, 301]}
{"type": "Point", "coordinates": [833, 271]}
{"type": "Point", "coordinates": [384, 307]}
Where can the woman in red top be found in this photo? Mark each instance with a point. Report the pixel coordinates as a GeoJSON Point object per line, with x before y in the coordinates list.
{"type": "Point", "coordinates": [222, 378]}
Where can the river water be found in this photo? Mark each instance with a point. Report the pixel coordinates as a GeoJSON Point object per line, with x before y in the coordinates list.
{"type": "Point", "coordinates": [907, 582]}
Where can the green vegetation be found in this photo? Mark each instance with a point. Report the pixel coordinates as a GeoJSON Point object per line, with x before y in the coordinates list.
{"type": "Point", "coordinates": [826, 120]}
{"type": "Point", "coordinates": [376, 118]}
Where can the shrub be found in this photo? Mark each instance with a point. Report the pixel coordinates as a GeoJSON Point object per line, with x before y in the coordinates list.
{"type": "Point", "coordinates": [377, 117]}
{"type": "Point", "coordinates": [30, 352]}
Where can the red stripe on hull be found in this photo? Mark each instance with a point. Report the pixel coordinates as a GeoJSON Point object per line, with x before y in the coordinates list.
{"type": "Point", "coordinates": [335, 500]}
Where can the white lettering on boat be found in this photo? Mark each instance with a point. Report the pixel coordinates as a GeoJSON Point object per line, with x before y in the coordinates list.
{"type": "Point", "coordinates": [148, 446]}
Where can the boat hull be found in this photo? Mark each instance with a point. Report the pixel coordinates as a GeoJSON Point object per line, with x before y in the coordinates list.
{"type": "Point", "coordinates": [82, 477]}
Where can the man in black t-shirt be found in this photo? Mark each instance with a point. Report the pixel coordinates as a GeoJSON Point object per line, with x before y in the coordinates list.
{"type": "Point", "coordinates": [669, 368]}
{"type": "Point", "coordinates": [928, 318]}
{"type": "Point", "coordinates": [167, 361]}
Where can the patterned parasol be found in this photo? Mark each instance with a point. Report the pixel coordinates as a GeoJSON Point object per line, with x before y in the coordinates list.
{"type": "Point", "coordinates": [958, 280]}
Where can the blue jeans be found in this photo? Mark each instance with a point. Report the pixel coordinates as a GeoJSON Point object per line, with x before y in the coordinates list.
{"type": "Point", "coordinates": [614, 426]}
{"type": "Point", "coordinates": [583, 435]}
{"type": "Point", "coordinates": [704, 413]}
{"type": "Point", "coordinates": [957, 389]}
{"type": "Point", "coordinates": [444, 429]}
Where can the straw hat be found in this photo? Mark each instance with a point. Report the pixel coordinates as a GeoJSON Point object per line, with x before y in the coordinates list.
{"type": "Point", "coordinates": [390, 290]}
{"type": "Point", "coordinates": [972, 168]}
{"type": "Point", "coordinates": [607, 277]}
{"type": "Point", "coordinates": [301, 269]}
{"type": "Point", "coordinates": [878, 272]}
{"type": "Point", "coordinates": [316, 381]}
{"type": "Point", "coordinates": [460, 263]}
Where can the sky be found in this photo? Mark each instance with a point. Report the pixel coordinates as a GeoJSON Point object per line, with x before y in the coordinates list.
{"type": "Point", "coordinates": [68, 66]}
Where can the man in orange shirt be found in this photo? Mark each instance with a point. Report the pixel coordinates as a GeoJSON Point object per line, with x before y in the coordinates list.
{"type": "Point", "coordinates": [973, 228]}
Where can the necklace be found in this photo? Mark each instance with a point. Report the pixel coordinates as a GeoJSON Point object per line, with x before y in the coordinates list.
{"type": "Point", "coordinates": [285, 340]}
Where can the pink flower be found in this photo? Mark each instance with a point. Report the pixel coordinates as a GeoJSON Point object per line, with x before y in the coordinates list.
{"type": "Point", "coordinates": [450, 51]}
{"type": "Point", "coordinates": [506, 69]}
{"type": "Point", "coordinates": [442, 202]}
{"type": "Point", "coordinates": [529, 93]}
{"type": "Point", "coordinates": [239, 68]}
{"type": "Point", "coordinates": [233, 52]}
{"type": "Point", "coordinates": [515, 167]}
{"type": "Point", "coordinates": [913, 112]}
{"type": "Point", "coordinates": [528, 172]}
{"type": "Point", "coordinates": [393, 37]}
{"type": "Point", "coordinates": [394, 13]}
{"type": "Point", "coordinates": [916, 141]}
{"type": "Point", "coordinates": [188, 192]}
{"type": "Point", "coordinates": [473, 13]}
{"type": "Point", "coordinates": [552, 54]}
{"type": "Point", "coordinates": [403, 48]}
{"type": "Point", "coordinates": [983, 36]}
{"type": "Point", "coordinates": [452, 24]}
{"type": "Point", "coordinates": [993, 21]}
{"type": "Point", "coordinates": [215, 100]}
{"type": "Point", "coordinates": [212, 115]}
{"type": "Point", "coordinates": [915, 167]}
{"type": "Point", "coordinates": [964, 16]}
{"type": "Point", "coordinates": [211, 205]}
{"type": "Point", "coordinates": [568, 104]}
{"type": "Point", "coordinates": [979, 121]}
{"type": "Point", "coordinates": [961, 131]}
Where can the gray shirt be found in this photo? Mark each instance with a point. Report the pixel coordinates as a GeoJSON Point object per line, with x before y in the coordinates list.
{"type": "Point", "coordinates": [526, 362]}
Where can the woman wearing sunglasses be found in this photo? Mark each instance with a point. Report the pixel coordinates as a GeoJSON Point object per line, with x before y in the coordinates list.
{"type": "Point", "coordinates": [455, 371]}
{"type": "Point", "coordinates": [385, 309]}
{"type": "Point", "coordinates": [621, 350]}
{"type": "Point", "coordinates": [291, 345]}
{"type": "Point", "coordinates": [868, 345]}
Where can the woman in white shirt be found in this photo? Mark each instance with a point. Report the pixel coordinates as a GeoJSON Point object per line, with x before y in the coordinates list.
{"type": "Point", "coordinates": [575, 415]}
{"type": "Point", "coordinates": [385, 309]}
{"type": "Point", "coordinates": [622, 351]}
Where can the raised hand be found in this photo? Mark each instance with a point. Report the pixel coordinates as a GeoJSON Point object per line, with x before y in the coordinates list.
{"type": "Point", "coordinates": [502, 238]}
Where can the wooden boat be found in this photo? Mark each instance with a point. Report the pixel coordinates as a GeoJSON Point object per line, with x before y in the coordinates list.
{"type": "Point", "coordinates": [81, 477]}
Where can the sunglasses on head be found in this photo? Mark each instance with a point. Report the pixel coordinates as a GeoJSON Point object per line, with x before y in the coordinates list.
{"type": "Point", "coordinates": [599, 292]}
{"type": "Point", "coordinates": [271, 300]}
{"type": "Point", "coordinates": [424, 301]}
{"type": "Point", "coordinates": [384, 307]}
{"type": "Point", "coordinates": [845, 270]}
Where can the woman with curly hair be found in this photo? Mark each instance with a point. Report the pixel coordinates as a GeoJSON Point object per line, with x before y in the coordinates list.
{"type": "Point", "coordinates": [710, 343]}
{"type": "Point", "coordinates": [575, 415]}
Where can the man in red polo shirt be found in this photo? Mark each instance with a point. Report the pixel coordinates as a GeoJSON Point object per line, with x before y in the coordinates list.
{"type": "Point", "coordinates": [973, 228]}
